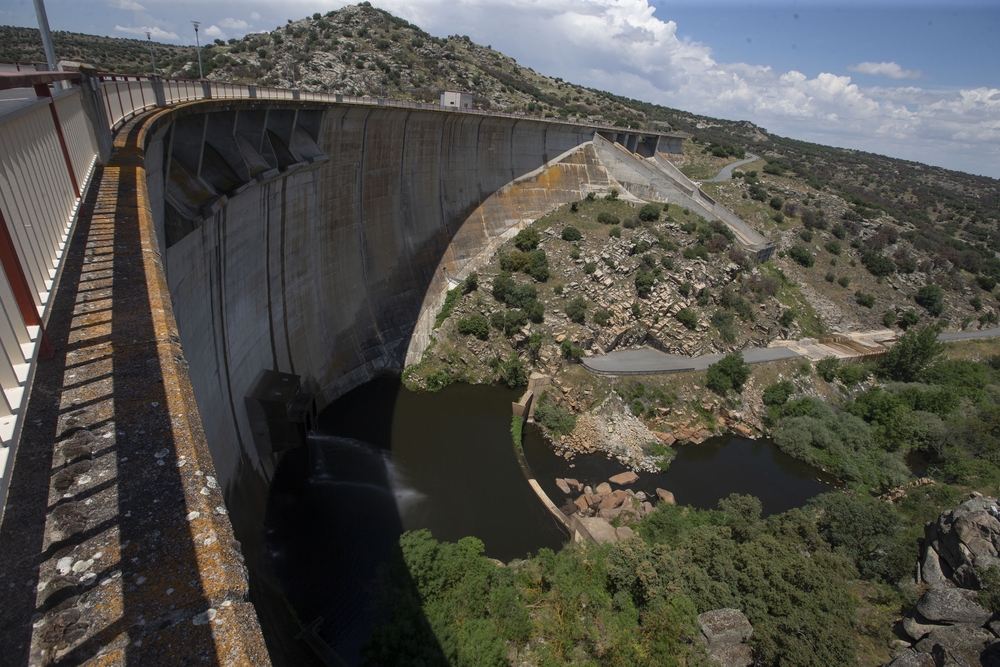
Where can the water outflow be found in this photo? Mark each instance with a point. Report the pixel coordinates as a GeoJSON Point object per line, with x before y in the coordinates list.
{"type": "Point", "coordinates": [332, 520]}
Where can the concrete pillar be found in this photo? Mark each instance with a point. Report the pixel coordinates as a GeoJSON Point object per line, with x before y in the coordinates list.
{"type": "Point", "coordinates": [206, 89]}
{"type": "Point", "coordinates": [253, 92]}
{"type": "Point", "coordinates": [93, 107]}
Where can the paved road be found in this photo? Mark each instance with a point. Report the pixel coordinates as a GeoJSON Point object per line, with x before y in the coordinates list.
{"type": "Point", "coordinates": [647, 361]}
{"type": "Point", "coordinates": [727, 171]}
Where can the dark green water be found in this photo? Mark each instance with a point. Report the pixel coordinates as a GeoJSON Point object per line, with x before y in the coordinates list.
{"type": "Point", "coordinates": [388, 460]}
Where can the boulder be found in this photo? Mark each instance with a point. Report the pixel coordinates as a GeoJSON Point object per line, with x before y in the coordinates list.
{"type": "Point", "coordinates": [581, 503]}
{"type": "Point", "coordinates": [917, 627]}
{"type": "Point", "coordinates": [725, 633]}
{"type": "Point", "coordinates": [965, 533]}
{"type": "Point", "coordinates": [911, 658]}
{"type": "Point", "coordinates": [665, 496]}
{"type": "Point", "coordinates": [963, 638]}
{"type": "Point", "coordinates": [949, 606]}
{"type": "Point", "coordinates": [563, 486]}
{"type": "Point", "coordinates": [949, 657]}
{"type": "Point", "coordinates": [646, 508]}
{"type": "Point", "coordinates": [930, 568]}
{"type": "Point", "coordinates": [641, 496]}
{"type": "Point", "coordinates": [603, 489]}
{"type": "Point", "coordinates": [599, 529]}
{"type": "Point", "coordinates": [624, 533]}
{"type": "Point", "coordinates": [609, 514]}
{"type": "Point", "coordinates": [574, 484]}
{"type": "Point", "coordinates": [623, 478]}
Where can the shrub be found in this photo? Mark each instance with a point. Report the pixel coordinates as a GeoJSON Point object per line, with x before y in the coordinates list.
{"type": "Point", "coordinates": [801, 255]}
{"type": "Point", "coordinates": [589, 268]}
{"type": "Point", "coordinates": [574, 207]}
{"type": "Point", "coordinates": [976, 303]}
{"type": "Point", "coordinates": [839, 231]}
{"type": "Point", "coordinates": [636, 310]}
{"type": "Point", "coordinates": [910, 355]}
{"type": "Point", "coordinates": [864, 299]}
{"type": "Point", "coordinates": [471, 283]}
{"type": "Point", "coordinates": [474, 325]}
{"type": "Point", "coordinates": [851, 374]}
{"type": "Point", "coordinates": [571, 234]}
{"type": "Point", "coordinates": [827, 368]}
{"type": "Point", "coordinates": [535, 311]}
{"type": "Point", "coordinates": [806, 235]}
{"type": "Point", "coordinates": [570, 350]}
{"type": "Point", "coordinates": [688, 318]}
{"type": "Point", "coordinates": [450, 301]}
{"type": "Point", "coordinates": [644, 280]}
{"type": "Point", "coordinates": [889, 318]}
{"type": "Point", "coordinates": [728, 374]}
{"type": "Point", "coordinates": [650, 213]}
{"type": "Point", "coordinates": [833, 247]}
{"type": "Point", "coordinates": [574, 254]}
{"type": "Point", "coordinates": [512, 372]}
{"type": "Point", "coordinates": [630, 223]}
{"type": "Point", "coordinates": [723, 321]}
{"type": "Point", "coordinates": [539, 269]}
{"type": "Point", "coordinates": [554, 418]}
{"type": "Point", "coordinates": [576, 310]}
{"type": "Point", "coordinates": [843, 281]}
{"type": "Point", "coordinates": [667, 262]}
{"type": "Point", "coordinates": [778, 393]}
{"type": "Point", "coordinates": [829, 277]}
{"type": "Point", "coordinates": [777, 203]}
{"type": "Point", "coordinates": [615, 232]}
{"type": "Point", "coordinates": [757, 192]}
{"type": "Point", "coordinates": [696, 252]}
{"type": "Point", "coordinates": [608, 218]}
{"type": "Point", "coordinates": [877, 264]}
{"type": "Point", "coordinates": [613, 195]}
{"type": "Point", "coordinates": [931, 297]}
{"type": "Point", "coordinates": [787, 317]}
{"type": "Point", "coordinates": [602, 317]}
{"type": "Point", "coordinates": [527, 239]}
{"type": "Point", "coordinates": [685, 289]}
{"type": "Point", "coordinates": [987, 283]}
{"type": "Point", "coordinates": [908, 319]}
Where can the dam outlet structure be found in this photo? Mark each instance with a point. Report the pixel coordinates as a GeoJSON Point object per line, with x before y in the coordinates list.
{"type": "Point", "coordinates": [169, 241]}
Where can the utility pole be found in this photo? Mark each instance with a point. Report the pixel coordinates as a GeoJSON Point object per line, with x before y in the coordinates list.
{"type": "Point", "coordinates": [149, 38]}
{"type": "Point", "coordinates": [197, 41]}
{"type": "Point", "coordinates": [43, 29]}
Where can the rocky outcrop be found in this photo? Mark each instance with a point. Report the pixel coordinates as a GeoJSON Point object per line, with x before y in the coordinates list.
{"type": "Point", "coordinates": [948, 626]}
{"type": "Point", "coordinates": [725, 633]}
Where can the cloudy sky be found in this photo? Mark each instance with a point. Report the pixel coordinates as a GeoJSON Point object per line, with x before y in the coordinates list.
{"type": "Point", "coordinates": [912, 79]}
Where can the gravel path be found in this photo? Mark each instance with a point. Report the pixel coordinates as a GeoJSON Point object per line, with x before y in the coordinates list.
{"type": "Point", "coordinates": [727, 171]}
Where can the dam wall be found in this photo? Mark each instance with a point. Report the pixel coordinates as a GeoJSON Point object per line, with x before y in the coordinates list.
{"type": "Point", "coordinates": [322, 268]}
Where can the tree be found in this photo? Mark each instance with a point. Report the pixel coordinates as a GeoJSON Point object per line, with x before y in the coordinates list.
{"type": "Point", "coordinates": [913, 352]}
{"type": "Point", "coordinates": [728, 374]}
{"type": "Point", "coordinates": [527, 239]}
{"type": "Point", "coordinates": [576, 310]}
{"type": "Point", "coordinates": [931, 297]}
{"type": "Point", "coordinates": [471, 283]}
{"type": "Point", "coordinates": [688, 318]}
{"type": "Point", "coordinates": [571, 234]}
{"type": "Point", "coordinates": [801, 255]}
{"type": "Point", "coordinates": [475, 325]}
{"type": "Point", "coordinates": [649, 213]}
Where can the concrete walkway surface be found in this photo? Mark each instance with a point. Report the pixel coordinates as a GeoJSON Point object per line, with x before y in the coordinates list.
{"type": "Point", "coordinates": [727, 171]}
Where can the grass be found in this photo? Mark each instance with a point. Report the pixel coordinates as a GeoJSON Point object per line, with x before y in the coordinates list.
{"type": "Point", "coordinates": [789, 294]}
{"type": "Point", "coordinates": [517, 430]}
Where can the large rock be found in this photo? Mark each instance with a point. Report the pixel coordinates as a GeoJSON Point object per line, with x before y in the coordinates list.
{"type": "Point", "coordinates": [603, 489]}
{"type": "Point", "coordinates": [563, 486]}
{"type": "Point", "coordinates": [624, 478]}
{"type": "Point", "coordinates": [911, 658]}
{"type": "Point", "coordinates": [599, 529]}
{"type": "Point", "coordinates": [949, 606]}
{"type": "Point", "coordinates": [930, 568]}
{"type": "Point", "coordinates": [969, 639]}
{"type": "Point", "coordinates": [917, 627]}
{"type": "Point", "coordinates": [968, 533]}
{"type": "Point", "coordinates": [725, 633]}
{"type": "Point", "coordinates": [665, 496]}
{"type": "Point", "coordinates": [949, 657]}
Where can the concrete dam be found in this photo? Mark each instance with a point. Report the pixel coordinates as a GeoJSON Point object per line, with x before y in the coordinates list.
{"type": "Point", "coordinates": [310, 238]}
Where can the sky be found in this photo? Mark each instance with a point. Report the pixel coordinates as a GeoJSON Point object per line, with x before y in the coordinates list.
{"type": "Point", "coordinates": [912, 79]}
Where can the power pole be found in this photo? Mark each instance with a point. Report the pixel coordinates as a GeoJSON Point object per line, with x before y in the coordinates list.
{"type": "Point", "coordinates": [43, 28]}
{"type": "Point", "coordinates": [152, 56]}
{"type": "Point", "coordinates": [197, 41]}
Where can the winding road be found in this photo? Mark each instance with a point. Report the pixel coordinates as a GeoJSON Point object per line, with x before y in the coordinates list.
{"type": "Point", "coordinates": [647, 361]}
{"type": "Point", "coordinates": [727, 171]}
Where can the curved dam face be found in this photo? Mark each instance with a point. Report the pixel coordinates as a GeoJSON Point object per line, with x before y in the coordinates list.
{"type": "Point", "coordinates": [308, 239]}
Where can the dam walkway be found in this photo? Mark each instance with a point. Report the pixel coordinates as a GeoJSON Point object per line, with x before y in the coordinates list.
{"type": "Point", "coordinates": [115, 543]}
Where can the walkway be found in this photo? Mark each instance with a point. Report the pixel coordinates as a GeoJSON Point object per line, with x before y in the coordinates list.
{"type": "Point", "coordinates": [115, 545]}
{"type": "Point", "coordinates": [647, 361]}
{"type": "Point", "coordinates": [727, 171]}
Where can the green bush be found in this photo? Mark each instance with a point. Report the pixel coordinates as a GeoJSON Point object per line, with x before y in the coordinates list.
{"type": "Point", "coordinates": [931, 297]}
{"type": "Point", "coordinates": [728, 374]}
{"type": "Point", "coordinates": [474, 325]}
{"type": "Point", "coordinates": [450, 301]}
{"type": "Point", "coordinates": [615, 232]}
{"type": "Point", "coordinates": [513, 373]}
{"type": "Point", "coordinates": [778, 393]}
{"type": "Point", "coordinates": [644, 280]}
{"type": "Point", "coordinates": [527, 239]}
{"type": "Point", "coordinates": [852, 374]}
{"type": "Point", "coordinates": [667, 262]}
{"type": "Point", "coordinates": [827, 368]}
{"type": "Point", "coordinates": [535, 311]}
{"type": "Point", "coordinates": [570, 350]}
{"type": "Point", "coordinates": [571, 234]}
{"type": "Point", "coordinates": [843, 281]}
{"type": "Point", "coordinates": [869, 532]}
{"type": "Point", "coordinates": [636, 310]}
{"type": "Point", "coordinates": [833, 247]}
{"type": "Point", "coordinates": [608, 218]}
{"type": "Point", "coordinates": [589, 268]}
{"type": "Point", "coordinates": [471, 282]}
{"type": "Point", "coordinates": [553, 417]}
{"type": "Point", "coordinates": [787, 317]}
{"type": "Point", "coordinates": [830, 277]}
{"type": "Point", "coordinates": [602, 317]}
{"type": "Point", "coordinates": [696, 252]}
{"type": "Point", "coordinates": [914, 351]}
{"type": "Point", "coordinates": [806, 235]}
{"type": "Point", "coordinates": [802, 255]}
{"type": "Point", "coordinates": [576, 310]}
{"type": "Point", "coordinates": [757, 192]}
{"type": "Point", "coordinates": [878, 264]}
{"type": "Point", "coordinates": [612, 196]}
{"type": "Point", "coordinates": [688, 318]}
{"type": "Point", "coordinates": [514, 295]}
{"type": "Point", "coordinates": [722, 320]}
{"type": "Point", "coordinates": [650, 213]}
{"type": "Point", "coordinates": [889, 318]}
{"type": "Point", "coordinates": [685, 289]}
{"type": "Point", "coordinates": [776, 203]}
{"type": "Point", "coordinates": [908, 319]}
{"type": "Point", "coordinates": [864, 299]}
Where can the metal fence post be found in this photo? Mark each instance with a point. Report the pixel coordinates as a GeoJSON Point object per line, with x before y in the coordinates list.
{"type": "Point", "coordinates": [157, 83]}
{"type": "Point", "coordinates": [42, 90]}
{"type": "Point", "coordinates": [22, 290]}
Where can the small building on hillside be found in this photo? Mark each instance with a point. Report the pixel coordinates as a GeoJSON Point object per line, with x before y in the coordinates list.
{"type": "Point", "coordinates": [456, 99]}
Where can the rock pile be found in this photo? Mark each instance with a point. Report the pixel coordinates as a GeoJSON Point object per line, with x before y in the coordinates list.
{"type": "Point", "coordinates": [610, 428]}
{"type": "Point", "coordinates": [596, 508]}
{"type": "Point", "coordinates": [948, 626]}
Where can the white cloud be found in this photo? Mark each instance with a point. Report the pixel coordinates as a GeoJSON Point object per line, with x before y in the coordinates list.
{"type": "Point", "coordinates": [891, 70]}
{"type": "Point", "coordinates": [254, 16]}
{"type": "Point", "coordinates": [620, 46]}
{"type": "Point", "coordinates": [215, 32]}
{"type": "Point", "coordinates": [156, 33]}
{"type": "Point", "coordinates": [234, 24]}
{"type": "Point", "coordinates": [129, 5]}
